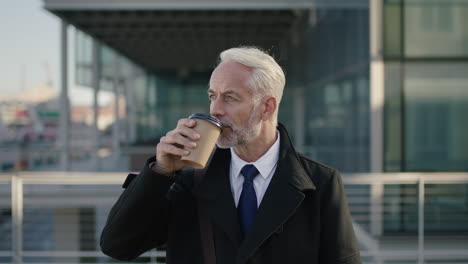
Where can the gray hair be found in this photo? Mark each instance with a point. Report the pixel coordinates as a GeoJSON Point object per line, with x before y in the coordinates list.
{"type": "Point", "coordinates": [267, 77]}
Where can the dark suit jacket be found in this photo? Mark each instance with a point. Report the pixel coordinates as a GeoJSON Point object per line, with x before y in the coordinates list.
{"type": "Point", "coordinates": [303, 217]}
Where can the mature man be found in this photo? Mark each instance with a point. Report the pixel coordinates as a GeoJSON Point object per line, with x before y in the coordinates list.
{"type": "Point", "coordinates": [265, 202]}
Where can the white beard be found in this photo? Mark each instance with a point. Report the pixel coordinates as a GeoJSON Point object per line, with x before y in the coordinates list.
{"type": "Point", "coordinates": [240, 136]}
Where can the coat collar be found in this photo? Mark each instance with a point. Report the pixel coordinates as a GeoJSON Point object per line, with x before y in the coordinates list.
{"type": "Point", "coordinates": [283, 196]}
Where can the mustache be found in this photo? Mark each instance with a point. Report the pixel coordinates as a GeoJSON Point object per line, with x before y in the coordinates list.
{"type": "Point", "coordinates": [226, 123]}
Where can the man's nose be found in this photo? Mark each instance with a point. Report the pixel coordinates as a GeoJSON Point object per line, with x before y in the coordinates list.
{"type": "Point", "coordinates": [216, 107]}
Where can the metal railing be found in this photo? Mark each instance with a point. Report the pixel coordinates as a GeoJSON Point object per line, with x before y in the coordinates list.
{"type": "Point", "coordinates": [69, 196]}
{"type": "Point", "coordinates": [422, 187]}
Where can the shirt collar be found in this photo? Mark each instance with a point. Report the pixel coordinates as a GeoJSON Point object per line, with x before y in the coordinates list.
{"type": "Point", "coordinates": [265, 164]}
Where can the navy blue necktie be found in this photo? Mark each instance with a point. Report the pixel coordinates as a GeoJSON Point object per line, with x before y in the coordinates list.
{"type": "Point", "coordinates": [247, 207]}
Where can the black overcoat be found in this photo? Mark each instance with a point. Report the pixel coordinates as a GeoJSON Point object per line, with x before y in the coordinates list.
{"type": "Point", "coordinates": [303, 217]}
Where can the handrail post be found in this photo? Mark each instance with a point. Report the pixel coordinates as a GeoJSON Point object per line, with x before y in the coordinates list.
{"type": "Point", "coordinates": [376, 210]}
{"type": "Point", "coordinates": [17, 218]}
{"type": "Point", "coordinates": [421, 220]}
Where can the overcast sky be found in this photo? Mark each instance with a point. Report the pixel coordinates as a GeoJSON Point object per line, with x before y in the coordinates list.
{"type": "Point", "coordinates": [30, 40]}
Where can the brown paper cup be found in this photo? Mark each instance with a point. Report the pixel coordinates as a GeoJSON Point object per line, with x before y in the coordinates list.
{"type": "Point", "coordinates": [209, 129]}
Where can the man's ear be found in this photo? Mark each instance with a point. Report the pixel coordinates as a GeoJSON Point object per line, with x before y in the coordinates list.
{"type": "Point", "coordinates": [269, 108]}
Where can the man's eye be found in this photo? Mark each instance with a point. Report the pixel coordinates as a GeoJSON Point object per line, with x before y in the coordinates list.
{"type": "Point", "coordinates": [211, 96]}
{"type": "Point", "coordinates": [230, 98]}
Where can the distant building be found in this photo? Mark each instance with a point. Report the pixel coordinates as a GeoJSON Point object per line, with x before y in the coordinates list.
{"type": "Point", "coordinates": [84, 114]}
{"type": "Point", "coordinates": [29, 125]}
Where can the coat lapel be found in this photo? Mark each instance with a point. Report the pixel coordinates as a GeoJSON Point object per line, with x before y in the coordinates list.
{"type": "Point", "coordinates": [215, 191]}
{"type": "Point", "coordinates": [283, 196]}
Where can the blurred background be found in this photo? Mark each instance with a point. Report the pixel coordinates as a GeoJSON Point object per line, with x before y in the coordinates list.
{"type": "Point", "coordinates": [375, 88]}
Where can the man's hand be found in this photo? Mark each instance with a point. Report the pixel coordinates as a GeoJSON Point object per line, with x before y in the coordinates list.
{"type": "Point", "coordinates": [170, 148]}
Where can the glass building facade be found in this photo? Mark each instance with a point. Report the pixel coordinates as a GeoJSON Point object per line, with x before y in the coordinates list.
{"type": "Point", "coordinates": [426, 60]}
{"type": "Point", "coordinates": [334, 78]}
{"type": "Point", "coordinates": [426, 109]}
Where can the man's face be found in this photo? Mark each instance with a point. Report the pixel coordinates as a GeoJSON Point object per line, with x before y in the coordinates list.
{"type": "Point", "coordinates": [233, 103]}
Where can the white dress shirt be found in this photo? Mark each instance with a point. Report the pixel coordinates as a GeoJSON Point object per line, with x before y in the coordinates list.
{"type": "Point", "coordinates": [266, 166]}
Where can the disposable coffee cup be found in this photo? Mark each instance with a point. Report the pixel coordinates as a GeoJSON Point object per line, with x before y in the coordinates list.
{"type": "Point", "coordinates": [209, 128]}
